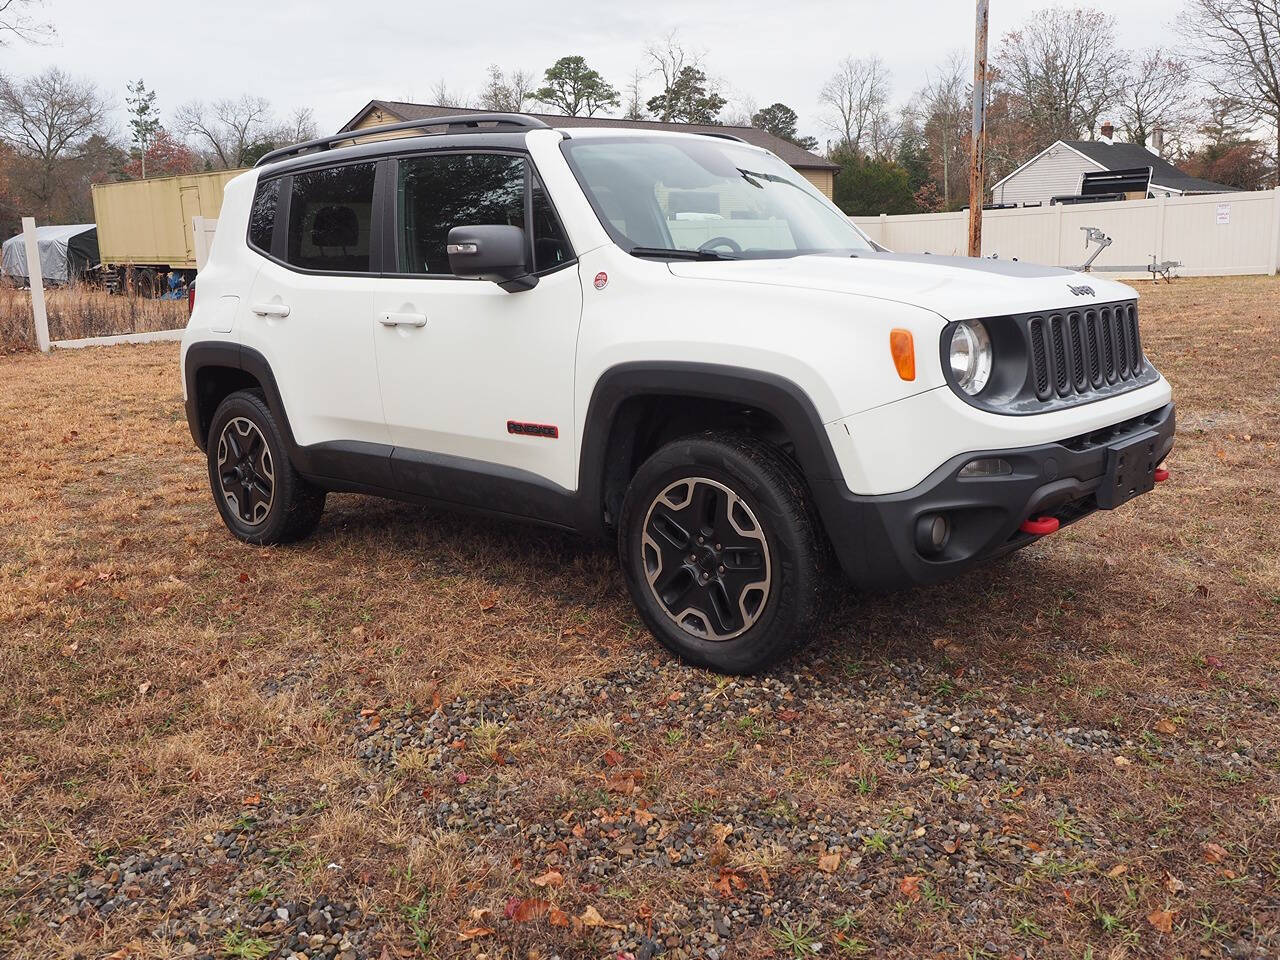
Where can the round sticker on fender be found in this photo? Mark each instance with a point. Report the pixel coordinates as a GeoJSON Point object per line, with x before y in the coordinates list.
{"type": "Point", "coordinates": [602, 280]}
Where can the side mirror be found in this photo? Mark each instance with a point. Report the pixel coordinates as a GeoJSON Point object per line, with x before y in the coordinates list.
{"type": "Point", "coordinates": [496, 252]}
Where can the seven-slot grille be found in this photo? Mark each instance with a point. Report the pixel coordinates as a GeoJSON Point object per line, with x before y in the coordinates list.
{"type": "Point", "coordinates": [1079, 351]}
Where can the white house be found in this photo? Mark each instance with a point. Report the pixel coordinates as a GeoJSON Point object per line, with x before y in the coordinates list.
{"type": "Point", "coordinates": [1057, 171]}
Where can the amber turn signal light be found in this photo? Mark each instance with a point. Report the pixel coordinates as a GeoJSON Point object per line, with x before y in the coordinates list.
{"type": "Point", "coordinates": [903, 348]}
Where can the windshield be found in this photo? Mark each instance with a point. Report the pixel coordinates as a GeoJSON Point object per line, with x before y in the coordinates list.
{"type": "Point", "coordinates": [703, 198]}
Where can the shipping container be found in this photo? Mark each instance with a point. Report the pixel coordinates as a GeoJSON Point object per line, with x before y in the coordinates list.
{"type": "Point", "coordinates": [148, 223]}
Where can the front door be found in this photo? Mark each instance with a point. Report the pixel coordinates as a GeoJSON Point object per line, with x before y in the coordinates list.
{"type": "Point", "coordinates": [477, 383]}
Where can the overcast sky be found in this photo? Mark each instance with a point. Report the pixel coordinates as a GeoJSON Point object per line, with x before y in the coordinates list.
{"type": "Point", "coordinates": [334, 57]}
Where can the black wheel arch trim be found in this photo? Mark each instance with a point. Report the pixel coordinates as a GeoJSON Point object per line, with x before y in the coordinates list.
{"type": "Point", "coordinates": [777, 396]}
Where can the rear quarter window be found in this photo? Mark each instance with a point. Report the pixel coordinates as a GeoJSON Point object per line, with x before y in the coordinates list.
{"type": "Point", "coordinates": [262, 218]}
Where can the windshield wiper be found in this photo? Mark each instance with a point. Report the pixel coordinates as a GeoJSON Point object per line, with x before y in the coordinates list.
{"type": "Point", "coordinates": [674, 254]}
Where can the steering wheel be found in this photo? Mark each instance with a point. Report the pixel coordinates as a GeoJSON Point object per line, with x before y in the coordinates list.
{"type": "Point", "coordinates": [722, 242]}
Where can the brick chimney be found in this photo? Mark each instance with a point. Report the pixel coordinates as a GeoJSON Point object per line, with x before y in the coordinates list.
{"type": "Point", "coordinates": [1108, 132]}
{"type": "Point", "coordinates": [1157, 142]}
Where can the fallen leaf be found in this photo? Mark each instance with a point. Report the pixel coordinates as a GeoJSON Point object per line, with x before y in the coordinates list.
{"type": "Point", "coordinates": [590, 917]}
{"type": "Point", "coordinates": [252, 800]}
{"type": "Point", "coordinates": [612, 758]}
{"type": "Point", "coordinates": [531, 909]}
{"type": "Point", "coordinates": [473, 933]}
{"type": "Point", "coordinates": [143, 687]}
{"type": "Point", "coordinates": [461, 778]}
{"type": "Point", "coordinates": [489, 602]}
{"type": "Point", "coordinates": [1214, 853]}
{"type": "Point", "coordinates": [829, 862]}
{"type": "Point", "coordinates": [623, 784]}
{"type": "Point", "coordinates": [243, 578]}
{"type": "Point", "coordinates": [552, 878]}
{"type": "Point", "coordinates": [728, 882]}
{"type": "Point", "coordinates": [1212, 661]}
{"type": "Point", "coordinates": [910, 887]}
{"type": "Point", "coordinates": [1162, 920]}
{"type": "Point", "coordinates": [357, 632]}
{"type": "Point", "coordinates": [1173, 884]}
{"type": "Point", "coordinates": [557, 917]}
{"type": "Point", "coordinates": [1123, 762]}
{"type": "Point", "coordinates": [1165, 726]}
{"type": "Point", "coordinates": [1118, 869]}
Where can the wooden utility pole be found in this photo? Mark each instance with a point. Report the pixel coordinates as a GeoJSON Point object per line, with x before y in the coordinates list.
{"type": "Point", "coordinates": [978, 162]}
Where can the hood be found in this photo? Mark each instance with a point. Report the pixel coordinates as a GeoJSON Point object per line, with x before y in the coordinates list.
{"type": "Point", "coordinates": [956, 288]}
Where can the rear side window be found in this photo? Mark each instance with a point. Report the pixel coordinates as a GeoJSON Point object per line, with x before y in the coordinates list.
{"type": "Point", "coordinates": [437, 193]}
{"type": "Point", "coordinates": [330, 219]}
{"type": "Point", "coordinates": [262, 218]}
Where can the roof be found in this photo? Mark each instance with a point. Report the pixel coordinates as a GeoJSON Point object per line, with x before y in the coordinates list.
{"type": "Point", "coordinates": [787, 151]}
{"type": "Point", "coordinates": [1122, 156]}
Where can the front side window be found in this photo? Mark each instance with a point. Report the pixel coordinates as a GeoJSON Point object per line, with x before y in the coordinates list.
{"type": "Point", "coordinates": [331, 219]}
{"type": "Point", "coordinates": [691, 197]}
{"type": "Point", "coordinates": [262, 218]}
{"type": "Point", "coordinates": [438, 192]}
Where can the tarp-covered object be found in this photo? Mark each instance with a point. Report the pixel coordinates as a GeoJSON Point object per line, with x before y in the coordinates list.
{"type": "Point", "coordinates": [66, 252]}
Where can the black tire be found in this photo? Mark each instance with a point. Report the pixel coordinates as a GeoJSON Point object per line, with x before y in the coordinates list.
{"type": "Point", "coordinates": [686, 589]}
{"type": "Point", "coordinates": [262, 499]}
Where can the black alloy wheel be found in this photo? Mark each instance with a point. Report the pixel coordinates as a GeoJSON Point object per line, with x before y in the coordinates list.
{"type": "Point", "coordinates": [706, 558]}
{"type": "Point", "coordinates": [261, 497]}
{"type": "Point", "coordinates": [722, 550]}
{"type": "Point", "coordinates": [246, 477]}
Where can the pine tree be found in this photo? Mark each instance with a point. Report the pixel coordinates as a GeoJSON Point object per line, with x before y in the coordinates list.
{"type": "Point", "coordinates": [144, 119]}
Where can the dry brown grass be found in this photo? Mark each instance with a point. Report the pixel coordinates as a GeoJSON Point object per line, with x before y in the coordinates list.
{"type": "Point", "coordinates": [139, 643]}
{"type": "Point", "coordinates": [83, 311]}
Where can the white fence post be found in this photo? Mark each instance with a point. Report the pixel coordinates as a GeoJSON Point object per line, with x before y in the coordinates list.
{"type": "Point", "coordinates": [202, 229]}
{"type": "Point", "coordinates": [1160, 217]}
{"type": "Point", "coordinates": [36, 281]}
{"type": "Point", "coordinates": [1275, 231]}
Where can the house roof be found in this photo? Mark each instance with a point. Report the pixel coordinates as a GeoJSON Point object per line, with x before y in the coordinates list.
{"type": "Point", "coordinates": [793, 155]}
{"type": "Point", "coordinates": [1124, 156]}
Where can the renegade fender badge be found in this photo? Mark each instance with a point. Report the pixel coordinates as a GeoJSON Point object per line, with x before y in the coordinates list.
{"type": "Point", "coordinates": [520, 429]}
{"type": "Point", "coordinates": [602, 280]}
{"type": "Point", "coordinates": [1081, 291]}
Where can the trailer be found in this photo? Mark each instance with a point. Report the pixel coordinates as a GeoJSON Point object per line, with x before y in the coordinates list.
{"type": "Point", "coordinates": [145, 228]}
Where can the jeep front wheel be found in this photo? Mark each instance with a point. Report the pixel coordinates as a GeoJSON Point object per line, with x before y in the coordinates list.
{"type": "Point", "coordinates": [721, 552]}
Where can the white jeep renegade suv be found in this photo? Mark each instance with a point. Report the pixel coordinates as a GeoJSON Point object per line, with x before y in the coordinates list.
{"type": "Point", "coordinates": [670, 340]}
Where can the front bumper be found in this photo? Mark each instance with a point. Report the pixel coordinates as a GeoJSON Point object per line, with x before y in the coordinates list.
{"type": "Point", "coordinates": [875, 536]}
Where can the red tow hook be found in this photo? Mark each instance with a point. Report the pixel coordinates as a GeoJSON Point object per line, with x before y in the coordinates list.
{"type": "Point", "coordinates": [1162, 474]}
{"type": "Point", "coordinates": [1040, 526]}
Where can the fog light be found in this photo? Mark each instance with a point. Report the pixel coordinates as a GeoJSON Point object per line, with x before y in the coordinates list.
{"type": "Point", "coordinates": [933, 530]}
{"type": "Point", "coordinates": [988, 467]}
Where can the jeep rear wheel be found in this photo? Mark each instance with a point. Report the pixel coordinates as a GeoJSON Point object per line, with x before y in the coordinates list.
{"type": "Point", "coordinates": [262, 499]}
{"type": "Point", "coordinates": [721, 552]}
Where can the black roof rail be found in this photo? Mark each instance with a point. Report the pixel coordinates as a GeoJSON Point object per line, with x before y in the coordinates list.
{"type": "Point", "coordinates": [724, 136]}
{"type": "Point", "coordinates": [455, 123]}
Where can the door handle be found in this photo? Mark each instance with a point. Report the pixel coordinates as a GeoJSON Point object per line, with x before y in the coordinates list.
{"type": "Point", "coordinates": [270, 309]}
{"type": "Point", "coordinates": [403, 319]}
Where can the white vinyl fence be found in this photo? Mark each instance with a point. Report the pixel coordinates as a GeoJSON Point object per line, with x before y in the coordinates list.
{"type": "Point", "coordinates": [1223, 234]}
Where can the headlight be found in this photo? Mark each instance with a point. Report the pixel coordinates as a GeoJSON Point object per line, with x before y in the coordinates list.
{"type": "Point", "coordinates": [971, 356]}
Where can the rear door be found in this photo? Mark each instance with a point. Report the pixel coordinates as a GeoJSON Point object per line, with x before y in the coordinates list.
{"type": "Point", "coordinates": [476, 380]}
{"type": "Point", "coordinates": [311, 303]}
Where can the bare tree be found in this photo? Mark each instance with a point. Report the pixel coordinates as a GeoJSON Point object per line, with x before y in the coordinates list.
{"type": "Point", "coordinates": [229, 131]}
{"type": "Point", "coordinates": [298, 127]}
{"type": "Point", "coordinates": [48, 120]}
{"type": "Point", "coordinates": [635, 97]}
{"type": "Point", "coordinates": [1155, 97]}
{"type": "Point", "coordinates": [507, 92]}
{"type": "Point", "coordinates": [857, 94]}
{"type": "Point", "coordinates": [442, 96]}
{"type": "Point", "coordinates": [17, 22]}
{"type": "Point", "coordinates": [1064, 70]}
{"type": "Point", "coordinates": [741, 109]}
{"type": "Point", "coordinates": [941, 112]}
{"type": "Point", "coordinates": [668, 57]}
{"type": "Point", "coordinates": [1237, 45]}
